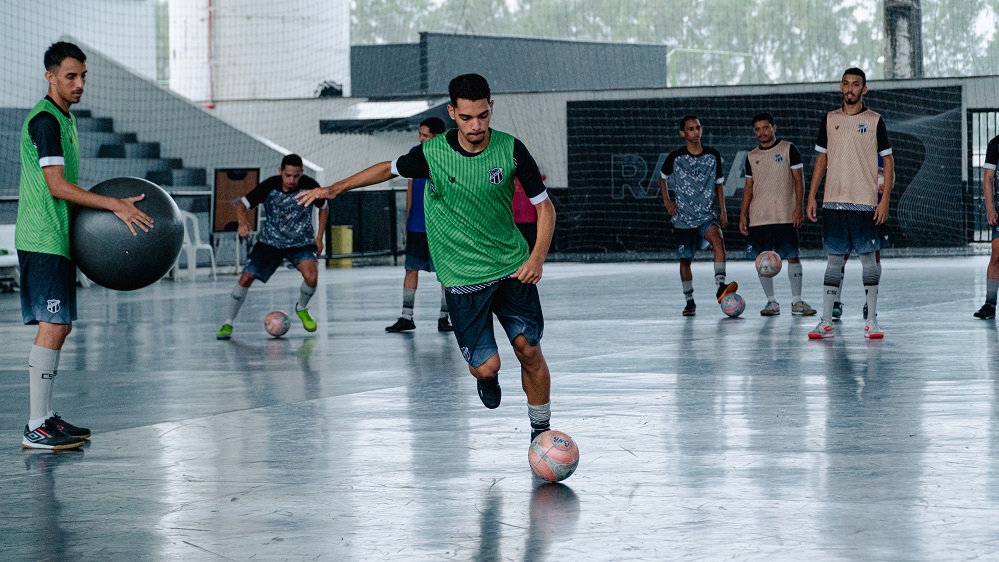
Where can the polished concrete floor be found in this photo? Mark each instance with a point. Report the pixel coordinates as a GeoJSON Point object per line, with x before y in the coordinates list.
{"type": "Point", "coordinates": [701, 438]}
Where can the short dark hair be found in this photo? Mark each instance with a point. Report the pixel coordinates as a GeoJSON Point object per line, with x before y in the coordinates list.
{"type": "Point", "coordinates": [471, 87]}
{"type": "Point", "coordinates": [764, 116]}
{"type": "Point", "coordinates": [60, 51]}
{"type": "Point", "coordinates": [854, 71]}
{"type": "Point", "coordinates": [292, 160]}
{"type": "Point", "coordinates": [682, 123]}
{"type": "Point", "coordinates": [435, 124]}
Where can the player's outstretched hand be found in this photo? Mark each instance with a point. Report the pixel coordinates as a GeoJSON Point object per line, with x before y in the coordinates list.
{"type": "Point", "coordinates": [132, 216]}
{"type": "Point", "coordinates": [308, 196]}
{"type": "Point", "coordinates": [530, 272]}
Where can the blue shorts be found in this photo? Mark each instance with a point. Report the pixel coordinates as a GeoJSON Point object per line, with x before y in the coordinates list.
{"type": "Point", "coordinates": [995, 232]}
{"type": "Point", "coordinates": [48, 288]}
{"type": "Point", "coordinates": [846, 232]}
{"type": "Point", "coordinates": [264, 259]}
{"type": "Point", "coordinates": [418, 252]}
{"type": "Point", "coordinates": [515, 304]}
{"type": "Point", "coordinates": [690, 240]}
{"type": "Point", "coordinates": [780, 238]}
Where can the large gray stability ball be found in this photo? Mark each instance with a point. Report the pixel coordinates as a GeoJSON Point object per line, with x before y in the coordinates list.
{"type": "Point", "coordinates": [106, 251]}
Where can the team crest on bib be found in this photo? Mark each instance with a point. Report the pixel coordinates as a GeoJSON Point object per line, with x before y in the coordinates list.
{"type": "Point", "coordinates": [861, 128]}
{"type": "Point", "coordinates": [496, 176]}
{"type": "Point", "coordinates": [53, 306]}
{"type": "Point", "coordinates": [778, 158]}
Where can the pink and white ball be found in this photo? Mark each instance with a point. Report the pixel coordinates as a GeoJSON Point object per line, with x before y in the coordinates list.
{"type": "Point", "coordinates": [277, 323]}
{"type": "Point", "coordinates": [733, 305]}
{"type": "Point", "coordinates": [768, 263]}
{"type": "Point", "coordinates": [553, 456]}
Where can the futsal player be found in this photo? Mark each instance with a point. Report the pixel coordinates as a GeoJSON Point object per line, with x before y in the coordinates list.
{"type": "Point", "coordinates": [288, 234]}
{"type": "Point", "coordinates": [849, 142]}
{"type": "Point", "coordinates": [417, 251]}
{"type": "Point", "coordinates": [882, 232]}
{"type": "Point", "coordinates": [988, 309]}
{"type": "Point", "coordinates": [772, 209]}
{"type": "Point", "coordinates": [50, 166]}
{"type": "Point", "coordinates": [480, 257]}
{"type": "Point", "coordinates": [694, 172]}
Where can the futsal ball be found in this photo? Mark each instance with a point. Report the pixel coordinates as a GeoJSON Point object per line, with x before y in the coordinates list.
{"type": "Point", "coordinates": [277, 323]}
{"type": "Point", "coordinates": [553, 456]}
{"type": "Point", "coordinates": [768, 263]}
{"type": "Point", "coordinates": [107, 252]}
{"type": "Point", "coordinates": [733, 305]}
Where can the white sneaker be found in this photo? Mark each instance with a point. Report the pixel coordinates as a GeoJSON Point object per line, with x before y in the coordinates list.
{"type": "Point", "coordinates": [822, 331]}
{"type": "Point", "coordinates": [872, 330]}
{"type": "Point", "coordinates": [801, 308]}
{"type": "Point", "coordinates": [771, 309]}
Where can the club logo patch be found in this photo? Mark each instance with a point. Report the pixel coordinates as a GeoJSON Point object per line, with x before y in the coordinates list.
{"type": "Point", "coordinates": [778, 158]}
{"type": "Point", "coordinates": [466, 354]}
{"type": "Point", "coordinates": [861, 128]}
{"type": "Point", "coordinates": [496, 176]}
{"type": "Point", "coordinates": [53, 306]}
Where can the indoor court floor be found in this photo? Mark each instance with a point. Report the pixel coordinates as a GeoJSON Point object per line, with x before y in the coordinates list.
{"type": "Point", "coordinates": [702, 438]}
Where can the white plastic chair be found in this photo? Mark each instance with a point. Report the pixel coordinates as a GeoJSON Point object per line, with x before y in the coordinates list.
{"type": "Point", "coordinates": [193, 244]}
{"type": "Point", "coordinates": [8, 257]}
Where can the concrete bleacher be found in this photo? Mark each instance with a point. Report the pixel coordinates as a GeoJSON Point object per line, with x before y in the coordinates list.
{"type": "Point", "coordinates": [104, 154]}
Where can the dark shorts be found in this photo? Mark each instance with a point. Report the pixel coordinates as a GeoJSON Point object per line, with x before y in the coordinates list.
{"type": "Point", "coordinates": [418, 252]}
{"type": "Point", "coordinates": [264, 259]}
{"type": "Point", "coordinates": [780, 238]}
{"type": "Point", "coordinates": [515, 304]}
{"type": "Point", "coordinates": [995, 232]}
{"type": "Point", "coordinates": [48, 288]}
{"type": "Point", "coordinates": [690, 240]}
{"type": "Point", "coordinates": [845, 232]}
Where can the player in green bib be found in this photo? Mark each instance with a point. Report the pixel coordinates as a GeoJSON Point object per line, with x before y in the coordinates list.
{"type": "Point", "coordinates": [50, 165]}
{"type": "Point", "coordinates": [480, 256]}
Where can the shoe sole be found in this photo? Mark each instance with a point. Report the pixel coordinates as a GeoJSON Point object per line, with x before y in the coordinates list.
{"type": "Point", "coordinates": [812, 313]}
{"type": "Point", "coordinates": [732, 287]}
{"type": "Point", "coordinates": [51, 447]}
{"type": "Point", "coordinates": [984, 317]}
{"type": "Point", "coordinates": [874, 336]}
{"type": "Point", "coordinates": [690, 314]}
{"type": "Point", "coordinates": [223, 338]}
{"type": "Point", "coordinates": [769, 313]}
{"type": "Point", "coordinates": [820, 336]}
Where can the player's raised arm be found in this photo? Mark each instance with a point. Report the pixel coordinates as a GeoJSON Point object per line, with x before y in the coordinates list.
{"type": "Point", "coordinates": [369, 176]}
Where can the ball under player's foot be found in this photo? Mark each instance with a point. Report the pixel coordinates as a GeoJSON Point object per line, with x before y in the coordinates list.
{"type": "Point", "coordinates": [690, 309]}
{"type": "Point", "coordinates": [535, 431]}
{"type": "Point", "coordinates": [68, 428]}
{"type": "Point", "coordinates": [771, 309]}
{"type": "Point", "coordinates": [727, 288]}
{"type": "Point", "coordinates": [489, 392]}
{"type": "Point", "coordinates": [987, 311]}
{"type": "Point", "coordinates": [48, 436]}
{"type": "Point", "coordinates": [307, 322]}
{"type": "Point", "coordinates": [824, 330]}
{"type": "Point", "coordinates": [872, 330]}
{"type": "Point", "coordinates": [401, 325]}
{"type": "Point", "coordinates": [224, 333]}
{"type": "Point", "coordinates": [837, 310]}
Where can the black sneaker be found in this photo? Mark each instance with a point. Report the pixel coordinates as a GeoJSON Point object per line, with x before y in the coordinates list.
{"type": "Point", "coordinates": [727, 288]}
{"type": "Point", "coordinates": [489, 392]}
{"type": "Point", "coordinates": [987, 311]}
{"type": "Point", "coordinates": [47, 436]}
{"type": "Point", "coordinates": [443, 325]}
{"type": "Point", "coordinates": [690, 309]}
{"type": "Point", "coordinates": [535, 432]}
{"type": "Point", "coordinates": [837, 310]}
{"type": "Point", "coordinates": [401, 325]}
{"type": "Point", "coordinates": [68, 428]}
